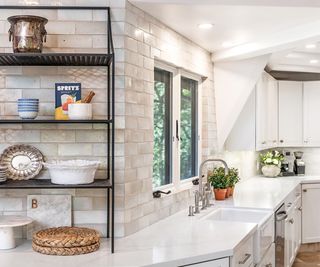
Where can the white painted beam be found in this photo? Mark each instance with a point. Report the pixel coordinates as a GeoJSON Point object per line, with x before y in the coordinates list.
{"type": "Point", "coordinates": [283, 3]}
{"type": "Point", "coordinates": [285, 40]}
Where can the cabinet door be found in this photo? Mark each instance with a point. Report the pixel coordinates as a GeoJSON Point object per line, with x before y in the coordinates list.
{"type": "Point", "coordinates": [310, 213]}
{"type": "Point", "coordinates": [290, 240]}
{"type": "Point", "coordinates": [269, 258]}
{"type": "Point", "coordinates": [272, 112]}
{"type": "Point", "coordinates": [311, 106]}
{"type": "Point", "coordinates": [261, 117]}
{"type": "Point", "coordinates": [290, 113]}
{"type": "Point", "coordinates": [213, 263]}
{"type": "Point", "coordinates": [243, 256]}
{"type": "Point", "coordinates": [297, 229]}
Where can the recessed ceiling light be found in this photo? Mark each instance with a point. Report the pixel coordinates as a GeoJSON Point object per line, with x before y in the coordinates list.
{"type": "Point", "coordinates": [314, 61]}
{"type": "Point", "coordinates": [310, 46]}
{"type": "Point", "coordinates": [205, 26]}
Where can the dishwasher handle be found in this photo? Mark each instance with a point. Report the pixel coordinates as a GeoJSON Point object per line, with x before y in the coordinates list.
{"type": "Point", "coordinates": [280, 216]}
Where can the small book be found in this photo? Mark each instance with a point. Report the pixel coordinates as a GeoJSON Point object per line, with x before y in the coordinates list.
{"type": "Point", "coordinates": [65, 94]}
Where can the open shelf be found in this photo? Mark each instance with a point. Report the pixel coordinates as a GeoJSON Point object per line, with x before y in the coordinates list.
{"type": "Point", "coordinates": [46, 184]}
{"type": "Point", "coordinates": [9, 121]}
{"type": "Point", "coordinates": [54, 59]}
{"type": "Point", "coordinates": [81, 60]}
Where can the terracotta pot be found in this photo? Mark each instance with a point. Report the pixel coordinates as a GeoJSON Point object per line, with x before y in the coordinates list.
{"type": "Point", "coordinates": [220, 194]}
{"type": "Point", "coordinates": [228, 194]}
{"type": "Point", "coordinates": [231, 191]}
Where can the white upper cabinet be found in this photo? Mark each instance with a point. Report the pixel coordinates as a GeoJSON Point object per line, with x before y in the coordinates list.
{"type": "Point", "coordinates": [272, 117]}
{"type": "Point", "coordinates": [290, 113]}
{"type": "Point", "coordinates": [267, 112]}
{"type": "Point", "coordinates": [311, 106]}
{"type": "Point", "coordinates": [262, 111]}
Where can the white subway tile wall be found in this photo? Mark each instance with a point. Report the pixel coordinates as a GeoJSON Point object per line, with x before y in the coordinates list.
{"type": "Point", "coordinates": [139, 39]}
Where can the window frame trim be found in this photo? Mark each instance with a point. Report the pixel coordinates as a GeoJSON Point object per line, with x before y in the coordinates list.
{"type": "Point", "coordinates": [177, 183]}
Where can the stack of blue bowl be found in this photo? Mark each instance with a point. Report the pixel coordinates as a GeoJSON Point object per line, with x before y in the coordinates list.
{"type": "Point", "coordinates": [28, 108]}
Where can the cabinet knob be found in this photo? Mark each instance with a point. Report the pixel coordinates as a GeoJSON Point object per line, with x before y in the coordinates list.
{"type": "Point", "coordinates": [300, 209]}
{"type": "Point", "coordinates": [304, 190]}
{"type": "Point", "coordinates": [281, 141]}
{"type": "Point", "coordinates": [269, 265]}
{"type": "Point", "coordinates": [291, 221]}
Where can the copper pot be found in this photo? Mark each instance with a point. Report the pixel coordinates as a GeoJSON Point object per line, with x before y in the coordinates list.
{"type": "Point", "coordinates": [27, 33]}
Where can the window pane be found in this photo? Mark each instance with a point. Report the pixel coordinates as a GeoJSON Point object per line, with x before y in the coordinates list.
{"type": "Point", "coordinates": [161, 116]}
{"type": "Point", "coordinates": [188, 128]}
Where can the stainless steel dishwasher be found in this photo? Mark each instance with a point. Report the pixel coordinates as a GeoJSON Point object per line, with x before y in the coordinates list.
{"type": "Point", "coordinates": [280, 216]}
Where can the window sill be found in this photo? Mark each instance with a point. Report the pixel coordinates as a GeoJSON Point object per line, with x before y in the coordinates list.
{"type": "Point", "coordinates": [183, 186]}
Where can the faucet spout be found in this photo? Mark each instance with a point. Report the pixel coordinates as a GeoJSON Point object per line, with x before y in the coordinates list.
{"type": "Point", "coordinates": [226, 168]}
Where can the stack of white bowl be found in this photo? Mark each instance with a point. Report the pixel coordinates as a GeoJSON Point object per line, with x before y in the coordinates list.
{"type": "Point", "coordinates": [28, 108]}
{"type": "Point", "coordinates": [3, 173]}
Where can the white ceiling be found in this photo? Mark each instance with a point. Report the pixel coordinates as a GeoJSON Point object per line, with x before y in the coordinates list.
{"type": "Point", "coordinates": [248, 27]}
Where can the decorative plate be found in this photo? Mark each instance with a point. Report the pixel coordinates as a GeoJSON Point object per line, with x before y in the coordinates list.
{"type": "Point", "coordinates": [24, 162]}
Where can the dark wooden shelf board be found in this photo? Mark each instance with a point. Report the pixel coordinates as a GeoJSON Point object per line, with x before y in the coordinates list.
{"type": "Point", "coordinates": [13, 121]}
{"type": "Point", "coordinates": [46, 184]}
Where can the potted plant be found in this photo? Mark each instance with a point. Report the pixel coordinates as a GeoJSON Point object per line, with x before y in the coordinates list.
{"type": "Point", "coordinates": [232, 178]}
{"type": "Point", "coordinates": [219, 182]}
{"type": "Point", "coordinates": [271, 162]}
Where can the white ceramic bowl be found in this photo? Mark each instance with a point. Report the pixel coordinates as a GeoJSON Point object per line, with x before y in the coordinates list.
{"type": "Point", "coordinates": [28, 115]}
{"type": "Point", "coordinates": [72, 171]}
{"type": "Point", "coordinates": [80, 111]}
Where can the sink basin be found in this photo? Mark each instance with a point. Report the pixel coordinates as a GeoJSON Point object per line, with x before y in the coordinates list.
{"type": "Point", "coordinates": [263, 237]}
{"type": "Point", "coordinates": [240, 215]}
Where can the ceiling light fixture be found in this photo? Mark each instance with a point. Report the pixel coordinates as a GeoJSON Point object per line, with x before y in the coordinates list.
{"type": "Point", "coordinates": [205, 26]}
{"type": "Point", "coordinates": [310, 46]}
{"type": "Point", "coordinates": [314, 61]}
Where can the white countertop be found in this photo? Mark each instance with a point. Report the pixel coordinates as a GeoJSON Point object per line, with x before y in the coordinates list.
{"type": "Point", "coordinates": [178, 239]}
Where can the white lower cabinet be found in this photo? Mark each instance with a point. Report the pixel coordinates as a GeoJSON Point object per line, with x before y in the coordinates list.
{"type": "Point", "coordinates": [224, 262]}
{"type": "Point", "coordinates": [269, 258]}
{"type": "Point", "coordinates": [310, 213]}
{"type": "Point", "coordinates": [243, 256]}
{"type": "Point", "coordinates": [292, 228]}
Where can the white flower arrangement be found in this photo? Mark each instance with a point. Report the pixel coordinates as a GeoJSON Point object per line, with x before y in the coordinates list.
{"type": "Point", "coordinates": [271, 158]}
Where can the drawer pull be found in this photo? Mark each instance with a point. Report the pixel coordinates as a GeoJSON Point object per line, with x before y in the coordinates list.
{"type": "Point", "coordinates": [246, 258]}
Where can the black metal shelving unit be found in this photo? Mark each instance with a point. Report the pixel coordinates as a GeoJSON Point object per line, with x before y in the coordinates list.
{"type": "Point", "coordinates": [73, 59]}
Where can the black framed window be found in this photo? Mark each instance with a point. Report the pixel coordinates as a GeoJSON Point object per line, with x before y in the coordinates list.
{"type": "Point", "coordinates": [188, 128]}
{"type": "Point", "coordinates": [162, 128]}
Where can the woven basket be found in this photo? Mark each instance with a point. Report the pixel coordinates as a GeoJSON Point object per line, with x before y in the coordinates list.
{"type": "Point", "coordinates": [66, 237]}
{"type": "Point", "coordinates": [65, 251]}
{"type": "Point", "coordinates": [66, 241]}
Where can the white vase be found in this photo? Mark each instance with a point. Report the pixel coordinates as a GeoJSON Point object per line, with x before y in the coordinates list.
{"type": "Point", "coordinates": [270, 170]}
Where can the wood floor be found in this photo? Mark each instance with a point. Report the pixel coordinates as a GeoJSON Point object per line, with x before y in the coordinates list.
{"type": "Point", "coordinates": [308, 256]}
